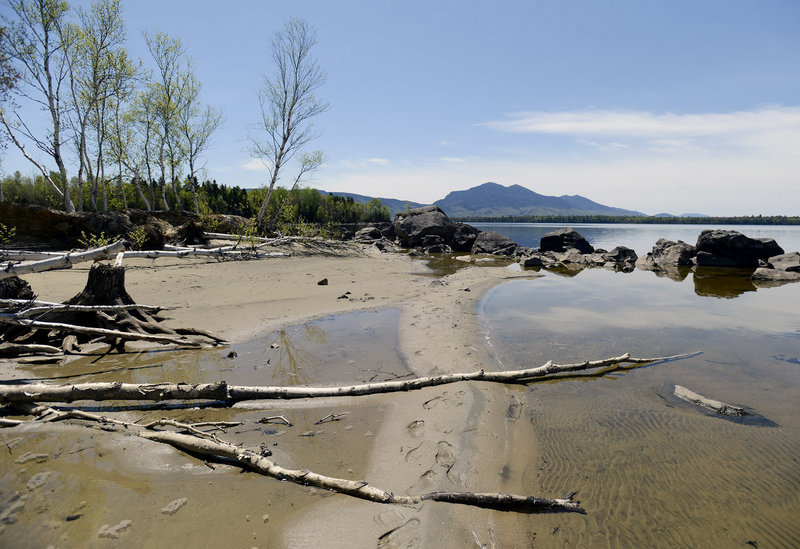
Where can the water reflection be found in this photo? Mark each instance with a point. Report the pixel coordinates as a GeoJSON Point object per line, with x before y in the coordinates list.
{"type": "Point", "coordinates": [650, 472]}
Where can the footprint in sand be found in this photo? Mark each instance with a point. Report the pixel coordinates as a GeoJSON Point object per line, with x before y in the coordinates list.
{"type": "Point", "coordinates": [416, 428]}
{"type": "Point", "coordinates": [406, 535]}
{"type": "Point", "coordinates": [415, 454]}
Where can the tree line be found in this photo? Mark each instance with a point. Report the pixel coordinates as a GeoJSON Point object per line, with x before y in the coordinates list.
{"type": "Point", "coordinates": [710, 220]}
{"type": "Point", "coordinates": [297, 204]}
{"type": "Point", "coordinates": [130, 133]}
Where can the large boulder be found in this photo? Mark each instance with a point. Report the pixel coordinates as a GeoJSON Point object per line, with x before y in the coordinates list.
{"type": "Point", "coordinates": [491, 242]}
{"type": "Point", "coordinates": [412, 227]}
{"type": "Point", "coordinates": [464, 237]}
{"type": "Point", "coordinates": [719, 248]}
{"type": "Point", "coordinates": [563, 240]}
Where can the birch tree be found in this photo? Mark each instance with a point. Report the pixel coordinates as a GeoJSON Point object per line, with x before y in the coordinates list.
{"type": "Point", "coordinates": [288, 104]}
{"type": "Point", "coordinates": [39, 45]}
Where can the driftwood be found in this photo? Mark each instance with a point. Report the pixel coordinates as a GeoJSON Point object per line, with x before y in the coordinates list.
{"type": "Point", "coordinates": [63, 261]}
{"type": "Point", "coordinates": [356, 488]}
{"type": "Point", "coordinates": [202, 443]}
{"type": "Point", "coordinates": [715, 406]}
{"type": "Point", "coordinates": [221, 391]}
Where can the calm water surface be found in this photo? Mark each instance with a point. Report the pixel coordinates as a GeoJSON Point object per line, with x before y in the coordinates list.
{"type": "Point", "coordinates": [639, 237]}
{"type": "Point", "coordinates": [649, 470]}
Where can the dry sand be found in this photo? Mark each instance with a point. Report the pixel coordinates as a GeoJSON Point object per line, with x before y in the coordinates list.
{"type": "Point", "coordinates": [456, 437]}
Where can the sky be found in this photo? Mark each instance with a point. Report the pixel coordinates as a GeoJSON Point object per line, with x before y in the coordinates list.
{"type": "Point", "coordinates": [654, 106]}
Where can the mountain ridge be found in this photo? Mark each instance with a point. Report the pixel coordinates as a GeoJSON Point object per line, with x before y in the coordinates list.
{"type": "Point", "coordinates": [494, 200]}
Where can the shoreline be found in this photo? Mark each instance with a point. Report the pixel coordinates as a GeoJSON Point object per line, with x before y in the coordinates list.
{"type": "Point", "coordinates": [450, 438]}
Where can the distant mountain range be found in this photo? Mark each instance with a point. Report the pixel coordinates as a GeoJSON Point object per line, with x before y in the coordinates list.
{"type": "Point", "coordinates": [494, 200]}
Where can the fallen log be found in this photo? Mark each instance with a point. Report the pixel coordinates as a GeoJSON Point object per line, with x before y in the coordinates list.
{"type": "Point", "coordinates": [63, 261]}
{"type": "Point", "coordinates": [356, 488]}
{"type": "Point", "coordinates": [41, 392]}
{"type": "Point", "coordinates": [206, 444]}
{"type": "Point", "coordinates": [715, 406]}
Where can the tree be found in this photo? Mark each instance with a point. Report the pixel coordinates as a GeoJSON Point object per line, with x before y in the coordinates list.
{"type": "Point", "coordinates": [8, 79]}
{"type": "Point", "coordinates": [196, 127]}
{"type": "Point", "coordinates": [288, 104]}
{"type": "Point", "coordinates": [39, 43]}
{"type": "Point", "coordinates": [172, 89]}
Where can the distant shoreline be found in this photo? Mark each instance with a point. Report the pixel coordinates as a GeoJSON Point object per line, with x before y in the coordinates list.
{"type": "Point", "coordinates": [646, 220]}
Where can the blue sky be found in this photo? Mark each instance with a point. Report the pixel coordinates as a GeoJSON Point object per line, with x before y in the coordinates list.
{"type": "Point", "coordinates": [680, 106]}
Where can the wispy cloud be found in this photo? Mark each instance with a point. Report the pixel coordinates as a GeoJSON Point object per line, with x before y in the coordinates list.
{"type": "Point", "coordinates": [254, 165]}
{"type": "Point", "coordinates": [650, 125]}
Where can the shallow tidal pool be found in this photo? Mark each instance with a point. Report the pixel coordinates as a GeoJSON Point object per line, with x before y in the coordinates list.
{"type": "Point", "coordinates": [650, 470]}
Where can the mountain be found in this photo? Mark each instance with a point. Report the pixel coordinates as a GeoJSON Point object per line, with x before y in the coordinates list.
{"type": "Point", "coordinates": [395, 206]}
{"type": "Point", "coordinates": [493, 200]}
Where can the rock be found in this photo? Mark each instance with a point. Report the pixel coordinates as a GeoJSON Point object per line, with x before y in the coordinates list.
{"type": "Point", "coordinates": [463, 237]}
{"type": "Point", "coordinates": [621, 254]}
{"type": "Point", "coordinates": [786, 262]}
{"type": "Point", "coordinates": [563, 240]}
{"type": "Point", "coordinates": [412, 227]}
{"type": "Point", "coordinates": [368, 234]}
{"type": "Point", "coordinates": [720, 248]}
{"type": "Point", "coordinates": [532, 261]}
{"type": "Point", "coordinates": [323, 282]}
{"type": "Point", "coordinates": [494, 243]}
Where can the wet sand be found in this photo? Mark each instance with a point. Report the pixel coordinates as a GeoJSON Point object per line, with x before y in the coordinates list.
{"type": "Point", "coordinates": [456, 437]}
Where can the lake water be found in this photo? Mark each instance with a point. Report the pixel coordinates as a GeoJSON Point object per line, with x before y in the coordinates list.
{"type": "Point", "coordinates": [650, 470]}
{"type": "Point", "coordinates": [639, 237]}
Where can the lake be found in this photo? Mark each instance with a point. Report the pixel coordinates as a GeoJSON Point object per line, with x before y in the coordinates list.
{"type": "Point", "coordinates": [639, 237]}
{"type": "Point", "coordinates": [651, 470]}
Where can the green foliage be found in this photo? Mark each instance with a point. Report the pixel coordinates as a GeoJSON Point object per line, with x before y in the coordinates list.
{"type": "Point", "coordinates": [93, 240]}
{"type": "Point", "coordinates": [137, 236]}
{"type": "Point", "coordinates": [6, 234]}
{"type": "Point", "coordinates": [249, 234]}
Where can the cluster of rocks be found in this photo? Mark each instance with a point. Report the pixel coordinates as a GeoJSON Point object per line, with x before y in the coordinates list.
{"type": "Point", "coordinates": [428, 230]}
{"type": "Point", "coordinates": [722, 248]}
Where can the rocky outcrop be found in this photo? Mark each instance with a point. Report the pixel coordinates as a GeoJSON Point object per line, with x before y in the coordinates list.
{"type": "Point", "coordinates": [493, 243]}
{"type": "Point", "coordinates": [667, 254]}
{"type": "Point", "coordinates": [430, 230]}
{"type": "Point", "coordinates": [563, 240]}
{"type": "Point", "coordinates": [778, 270]}
{"type": "Point", "coordinates": [718, 248]}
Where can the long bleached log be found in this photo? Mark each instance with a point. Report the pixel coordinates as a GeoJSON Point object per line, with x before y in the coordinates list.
{"type": "Point", "coordinates": [28, 255]}
{"type": "Point", "coordinates": [40, 392]}
{"type": "Point", "coordinates": [33, 308]}
{"type": "Point", "coordinates": [356, 488]}
{"type": "Point", "coordinates": [62, 261]}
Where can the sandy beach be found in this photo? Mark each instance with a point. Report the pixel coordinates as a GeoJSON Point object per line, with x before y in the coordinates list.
{"type": "Point", "coordinates": [458, 437]}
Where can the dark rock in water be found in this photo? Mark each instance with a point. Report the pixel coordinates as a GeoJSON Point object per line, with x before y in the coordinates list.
{"type": "Point", "coordinates": [492, 242]}
{"type": "Point", "coordinates": [733, 249]}
{"type": "Point", "coordinates": [667, 252]}
{"type": "Point", "coordinates": [786, 262]}
{"type": "Point", "coordinates": [412, 227]}
{"type": "Point", "coordinates": [563, 240]}
{"type": "Point", "coordinates": [464, 237]}
{"type": "Point", "coordinates": [621, 254]}
{"type": "Point", "coordinates": [14, 287]}
{"type": "Point", "coordinates": [531, 261]}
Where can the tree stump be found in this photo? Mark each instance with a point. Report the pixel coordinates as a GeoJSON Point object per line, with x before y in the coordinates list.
{"type": "Point", "coordinates": [105, 286]}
